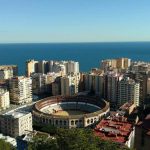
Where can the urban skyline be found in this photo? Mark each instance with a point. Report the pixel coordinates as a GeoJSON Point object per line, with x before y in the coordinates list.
{"type": "Point", "coordinates": [74, 75]}
{"type": "Point", "coordinates": [108, 99]}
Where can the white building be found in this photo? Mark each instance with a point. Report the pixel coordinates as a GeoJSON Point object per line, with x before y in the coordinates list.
{"type": "Point", "coordinates": [4, 99]}
{"type": "Point", "coordinates": [20, 90]}
{"type": "Point", "coordinates": [128, 91]}
{"type": "Point", "coordinates": [70, 84]}
{"type": "Point", "coordinates": [16, 123]}
{"type": "Point", "coordinates": [111, 80]}
{"type": "Point", "coordinates": [6, 73]}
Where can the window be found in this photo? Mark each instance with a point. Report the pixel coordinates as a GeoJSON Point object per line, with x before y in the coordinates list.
{"type": "Point", "coordinates": [72, 122]}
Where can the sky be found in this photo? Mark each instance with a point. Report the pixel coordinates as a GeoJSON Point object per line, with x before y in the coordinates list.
{"type": "Point", "coordinates": [31, 21]}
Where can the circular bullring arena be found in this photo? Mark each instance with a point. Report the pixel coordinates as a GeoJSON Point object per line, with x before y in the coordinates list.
{"type": "Point", "coordinates": [70, 112]}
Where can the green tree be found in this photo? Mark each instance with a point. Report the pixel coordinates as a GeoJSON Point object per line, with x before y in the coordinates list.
{"type": "Point", "coordinates": [73, 139]}
{"type": "Point", "coordinates": [43, 143]}
{"type": "Point", "coordinates": [5, 145]}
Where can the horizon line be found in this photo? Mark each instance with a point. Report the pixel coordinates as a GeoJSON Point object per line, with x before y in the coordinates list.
{"type": "Point", "coordinates": [74, 42]}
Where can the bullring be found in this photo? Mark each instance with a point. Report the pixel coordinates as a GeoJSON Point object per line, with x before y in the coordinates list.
{"type": "Point", "coordinates": [70, 112]}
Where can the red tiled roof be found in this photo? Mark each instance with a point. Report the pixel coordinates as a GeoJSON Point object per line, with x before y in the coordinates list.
{"type": "Point", "coordinates": [114, 129]}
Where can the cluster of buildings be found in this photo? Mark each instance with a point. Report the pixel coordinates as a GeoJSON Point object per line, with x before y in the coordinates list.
{"type": "Point", "coordinates": [118, 81]}
{"type": "Point", "coordinates": [53, 77]}
{"type": "Point", "coordinates": [16, 90]}
{"type": "Point", "coordinates": [62, 67]}
{"type": "Point", "coordinates": [117, 127]}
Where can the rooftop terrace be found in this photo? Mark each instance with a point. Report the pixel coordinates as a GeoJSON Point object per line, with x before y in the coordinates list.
{"type": "Point", "coordinates": [115, 129]}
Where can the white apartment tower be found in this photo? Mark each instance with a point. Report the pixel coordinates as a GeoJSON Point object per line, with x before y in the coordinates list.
{"type": "Point", "coordinates": [128, 91]}
{"type": "Point", "coordinates": [4, 99]}
{"type": "Point", "coordinates": [111, 80]}
{"type": "Point", "coordinates": [20, 90]}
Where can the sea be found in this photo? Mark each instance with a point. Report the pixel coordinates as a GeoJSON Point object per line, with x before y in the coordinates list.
{"type": "Point", "coordinates": [89, 55]}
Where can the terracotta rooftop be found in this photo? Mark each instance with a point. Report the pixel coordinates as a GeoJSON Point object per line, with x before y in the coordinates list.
{"type": "Point", "coordinates": [126, 106]}
{"type": "Point", "coordinates": [115, 129]}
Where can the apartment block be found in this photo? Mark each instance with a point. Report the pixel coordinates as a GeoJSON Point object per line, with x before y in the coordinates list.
{"type": "Point", "coordinates": [70, 84]}
{"type": "Point", "coordinates": [16, 123]}
{"type": "Point", "coordinates": [20, 90]}
{"type": "Point", "coordinates": [4, 99]}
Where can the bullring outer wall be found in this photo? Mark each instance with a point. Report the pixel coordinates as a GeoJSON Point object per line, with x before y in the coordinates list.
{"type": "Point", "coordinates": [72, 121]}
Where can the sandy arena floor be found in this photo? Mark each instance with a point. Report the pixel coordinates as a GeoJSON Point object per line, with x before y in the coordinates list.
{"type": "Point", "coordinates": [69, 112]}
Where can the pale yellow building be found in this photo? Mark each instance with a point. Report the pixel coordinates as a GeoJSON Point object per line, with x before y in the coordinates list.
{"type": "Point", "coordinates": [120, 63]}
{"type": "Point", "coordinates": [31, 67]}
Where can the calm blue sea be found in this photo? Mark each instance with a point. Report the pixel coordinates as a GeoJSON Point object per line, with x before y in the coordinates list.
{"type": "Point", "coordinates": [88, 54]}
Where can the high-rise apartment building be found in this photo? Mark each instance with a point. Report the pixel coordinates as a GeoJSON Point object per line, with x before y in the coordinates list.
{"type": "Point", "coordinates": [6, 74]}
{"type": "Point", "coordinates": [8, 71]}
{"type": "Point", "coordinates": [72, 66]}
{"type": "Point", "coordinates": [120, 63]}
{"type": "Point", "coordinates": [56, 87]}
{"type": "Point", "coordinates": [41, 83]}
{"type": "Point", "coordinates": [43, 67]}
{"type": "Point", "coordinates": [20, 90]}
{"type": "Point", "coordinates": [111, 80]}
{"type": "Point", "coordinates": [94, 83]}
{"type": "Point", "coordinates": [142, 78]}
{"type": "Point", "coordinates": [128, 91]}
{"type": "Point", "coordinates": [4, 99]}
{"type": "Point", "coordinates": [62, 67]}
{"type": "Point", "coordinates": [140, 66]}
{"type": "Point", "coordinates": [70, 84]}
{"type": "Point", "coordinates": [31, 67]}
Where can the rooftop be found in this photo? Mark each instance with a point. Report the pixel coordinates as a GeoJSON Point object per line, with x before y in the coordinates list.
{"type": "Point", "coordinates": [7, 66]}
{"type": "Point", "coordinates": [126, 106]}
{"type": "Point", "coordinates": [15, 113]}
{"type": "Point", "coordinates": [115, 129]}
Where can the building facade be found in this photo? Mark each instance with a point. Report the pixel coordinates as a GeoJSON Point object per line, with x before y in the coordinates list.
{"type": "Point", "coordinates": [128, 91]}
{"type": "Point", "coordinates": [94, 83]}
{"type": "Point", "coordinates": [8, 71]}
{"type": "Point", "coordinates": [15, 123]}
{"type": "Point", "coordinates": [4, 99]}
{"type": "Point", "coordinates": [111, 81]}
{"type": "Point", "coordinates": [62, 67]}
{"type": "Point", "coordinates": [20, 90]}
{"type": "Point", "coordinates": [31, 67]}
{"type": "Point", "coordinates": [70, 84]}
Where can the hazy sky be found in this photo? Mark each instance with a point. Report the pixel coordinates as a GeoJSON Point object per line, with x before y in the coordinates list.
{"type": "Point", "coordinates": [74, 20]}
